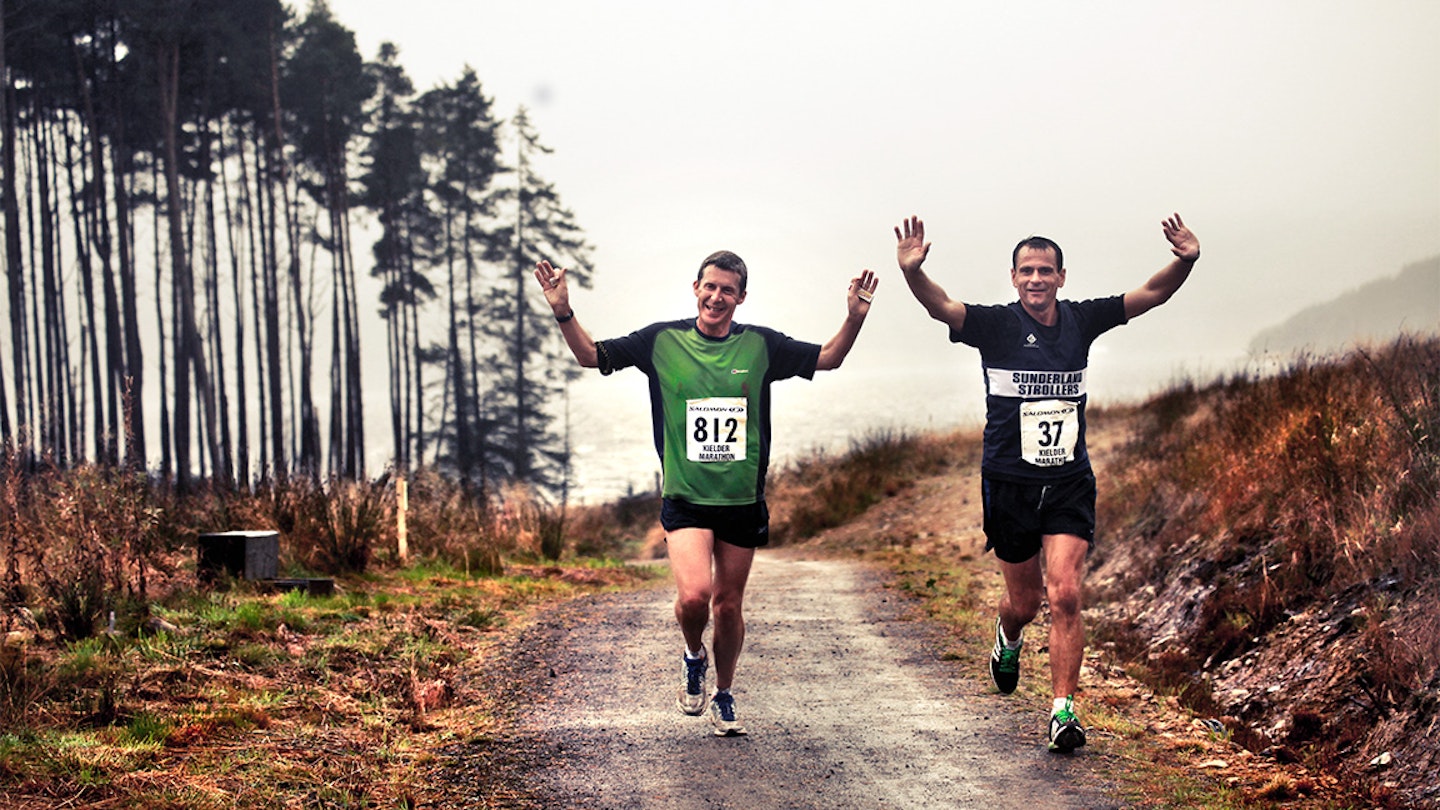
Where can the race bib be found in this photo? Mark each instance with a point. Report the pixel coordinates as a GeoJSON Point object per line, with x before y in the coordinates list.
{"type": "Point", "coordinates": [715, 429]}
{"type": "Point", "coordinates": [1049, 429]}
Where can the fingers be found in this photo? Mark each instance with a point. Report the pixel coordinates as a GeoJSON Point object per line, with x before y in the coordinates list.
{"type": "Point", "coordinates": [1182, 242]}
{"type": "Point", "coordinates": [914, 229]}
{"type": "Point", "coordinates": [864, 285]}
{"type": "Point", "coordinates": [548, 276]}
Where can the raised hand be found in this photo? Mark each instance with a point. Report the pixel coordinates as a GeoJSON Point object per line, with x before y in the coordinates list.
{"type": "Point", "coordinates": [910, 245]}
{"type": "Point", "coordinates": [552, 281]}
{"type": "Point", "coordinates": [862, 292]}
{"type": "Point", "coordinates": [1183, 243]}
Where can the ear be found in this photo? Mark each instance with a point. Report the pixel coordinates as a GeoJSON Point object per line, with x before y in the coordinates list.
{"type": "Point", "coordinates": [1061, 276]}
{"type": "Point", "coordinates": [740, 299]}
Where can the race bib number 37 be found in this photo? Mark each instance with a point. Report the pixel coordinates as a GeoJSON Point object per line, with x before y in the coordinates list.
{"type": "Point", "coordinates": [1048, 431]}
{"type": "Point", "coordinates": [715, 429]}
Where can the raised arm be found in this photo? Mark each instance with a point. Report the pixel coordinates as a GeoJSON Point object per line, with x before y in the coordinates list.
{"type": "Point", "coordinates": [1163, 284]}
{"type": "Point", "coordinates": [857, 306]}
{"type": "Point", "coordinates": [910, 251]}
{"type": "Point", "coordinates": [557, 294]}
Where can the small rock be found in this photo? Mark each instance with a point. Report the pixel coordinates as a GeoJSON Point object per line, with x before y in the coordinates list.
{"type": "Point", "coordinates": [1212, 725]}
{"type": "Point", "coordinates": [1214, 764]}
{"type": "Point", "coordinates": [155, 624]}
{"type": "Point", "coordinates": [1382, 761]}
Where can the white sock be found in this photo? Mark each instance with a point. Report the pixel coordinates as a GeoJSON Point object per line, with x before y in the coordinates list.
{"type": "Point", "coordinates": [1012, 645]}
{"type": "Point", "coordinates": [1064, 703]}
{"type": "Point", "coordinates": [694, 656]}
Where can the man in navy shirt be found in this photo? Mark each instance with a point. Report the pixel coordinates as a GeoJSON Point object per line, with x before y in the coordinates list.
{"type": "Point", "coordinates": [1037, 485]}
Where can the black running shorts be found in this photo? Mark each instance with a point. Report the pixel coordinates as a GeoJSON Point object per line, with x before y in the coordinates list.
{"type": "Point", "coordinates": [746, 526]}
{"type": "Point", "coordinates": [1018, 515]}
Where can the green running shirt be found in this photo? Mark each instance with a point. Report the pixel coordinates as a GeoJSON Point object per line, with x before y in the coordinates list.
{"type": "Point", "coordinates": [710, 403]}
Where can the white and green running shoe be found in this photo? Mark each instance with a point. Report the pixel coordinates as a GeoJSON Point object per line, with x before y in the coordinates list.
{"type": "Point", "coordinates": [722, 715]}
{"type": "Point", "coordinates": [1066, 733]}
{"type": "Point", "coordinates": [1004, 662]}
{"type": "Point", "coordinates": [692, 691]}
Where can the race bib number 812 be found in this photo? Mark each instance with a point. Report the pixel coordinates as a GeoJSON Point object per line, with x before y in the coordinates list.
{"type": "Point", "coordinates": [715, 429]}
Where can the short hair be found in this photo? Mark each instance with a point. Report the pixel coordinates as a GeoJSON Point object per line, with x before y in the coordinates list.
{"type": "Point", "coordinates": [1038, 243]}
{"type": "Point", "coordinates": [725, 260]}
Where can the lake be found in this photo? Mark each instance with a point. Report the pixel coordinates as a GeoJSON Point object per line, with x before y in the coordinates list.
{"type": "Point", "coordinates": [940, 389]}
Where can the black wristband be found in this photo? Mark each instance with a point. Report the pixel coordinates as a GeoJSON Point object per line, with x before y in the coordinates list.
{"type": "Point", "coordinates": [565, 318]}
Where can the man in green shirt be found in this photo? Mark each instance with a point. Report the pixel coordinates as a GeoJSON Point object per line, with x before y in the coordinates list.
{"type": "Point", "coordinates": [710, 404]}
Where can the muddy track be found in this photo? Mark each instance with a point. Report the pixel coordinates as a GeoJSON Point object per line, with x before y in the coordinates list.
{"type": "Point", "coordinates": [845, 699]}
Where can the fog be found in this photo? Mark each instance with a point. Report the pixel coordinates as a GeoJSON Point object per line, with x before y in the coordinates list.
{"type": "Point", "coordinates": [1300, 141]}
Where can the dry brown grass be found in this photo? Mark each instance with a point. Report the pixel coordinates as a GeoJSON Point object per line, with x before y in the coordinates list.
{"type": "Point", "coordinates": [1272, 501]}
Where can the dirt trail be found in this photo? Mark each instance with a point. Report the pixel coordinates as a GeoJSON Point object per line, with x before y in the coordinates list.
{"type": "Point", "coordinates": [846, 703]}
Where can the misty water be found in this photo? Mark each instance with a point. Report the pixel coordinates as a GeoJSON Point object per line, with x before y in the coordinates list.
{"type": "Point", "coordinates": [613, 445]}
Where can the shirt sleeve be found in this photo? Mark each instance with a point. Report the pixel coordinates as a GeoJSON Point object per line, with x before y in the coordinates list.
{"type": "Point", "coordinates": [1100, 315]}
{"type": "Point", "coordinates": [790, 357]}
{"type": "Point", "coordinates": [634, 349]}
{"type": "Point", "coordinates": [987, 325]}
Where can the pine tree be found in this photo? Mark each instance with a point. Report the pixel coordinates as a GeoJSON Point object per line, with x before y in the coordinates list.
{"type": "Point", "coordinates": [461, 148]}
{"type": "Point", "coordinates": [393, 186]}
{"type": "Point", "coordinates": [530, 361]}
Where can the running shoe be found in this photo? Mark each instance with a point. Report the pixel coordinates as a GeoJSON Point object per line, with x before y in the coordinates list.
{"type": "Point", "coordinates": [1066, 733]}
{"type": "Point", "coordinates": [692, 692]}
{"type": "Point", "coordinates": [722, 715]}
{"type": "Point", "coordinates": [1004, 663]}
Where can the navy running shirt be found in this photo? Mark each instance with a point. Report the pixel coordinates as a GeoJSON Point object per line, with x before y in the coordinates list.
{"type": "Point", "coordinates": [1035, 385]}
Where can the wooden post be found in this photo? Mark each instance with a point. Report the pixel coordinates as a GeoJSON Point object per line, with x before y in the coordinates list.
{"type": "Point", "coordinates": [402, 504]}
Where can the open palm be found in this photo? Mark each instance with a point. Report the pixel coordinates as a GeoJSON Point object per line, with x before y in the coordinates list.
{"type": "Point", "coordinates": [910, 245]}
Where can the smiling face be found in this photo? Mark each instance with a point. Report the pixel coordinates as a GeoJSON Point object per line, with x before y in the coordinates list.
{"type": "Point", "coordinates": [1038, 278]}
{"type": "Point", "coordinates": [717, 294]}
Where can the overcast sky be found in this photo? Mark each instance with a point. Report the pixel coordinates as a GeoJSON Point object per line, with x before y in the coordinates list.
{"type": "Point", "coordinates": [1300, 140]}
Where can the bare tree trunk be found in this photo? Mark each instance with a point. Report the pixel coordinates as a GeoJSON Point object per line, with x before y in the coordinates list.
{"type": "Point", "coordinates": [309, 428]}
{"type": "Point", "coordinates": [417, 365]}
{"type": "Point", "coordinates": [481, 452]}
{"type": "Point", "coordinates": [242, 429]}
{"type": "Point", "coordinates": [219, 396]}
{"type": "Point", "coordinates": [337, 398]}
{"type": "Point", "coordinates": [83, 222]}
{"type": "Point", "coordinates": [49, 339]}
{"type": "Point", "coordinates": [167, 457]}
{"type": "Point", "coordinates": [11, 215]}
{"type": "Point", "coordinates": [522, 433]}
{"type": "Point", "coordinates": [186, 340]}
{"type": "Point", "coordinates": [133, 383]}
{"type": "Point", "coordinates": [261, 287]}
{"type": "Point", "coordinates": [352, 345]}
{"type": "Point", "coordinates": [270, 270]}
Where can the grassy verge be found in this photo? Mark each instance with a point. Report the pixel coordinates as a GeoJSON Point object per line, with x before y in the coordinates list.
{"type": "Point", "coordinates": [242, 698]}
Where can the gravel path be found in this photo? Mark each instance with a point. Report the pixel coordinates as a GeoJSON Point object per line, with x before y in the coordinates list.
{"type": "Point", "coordinates": [846, 705]}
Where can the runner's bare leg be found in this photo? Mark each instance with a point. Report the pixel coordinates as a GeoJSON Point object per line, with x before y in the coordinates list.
{"type": "Point", "coordinates": [691, 562]}
{"type": "Point", "coordinates": [732, 571]}
{"type": "Point", "coordinates": [1064, 576]}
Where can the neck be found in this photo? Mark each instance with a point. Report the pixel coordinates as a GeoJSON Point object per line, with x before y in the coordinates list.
{"type": "Point", "coordinates": [1047, 315]}
{"type": "Point", "coordinates": [710, 329]}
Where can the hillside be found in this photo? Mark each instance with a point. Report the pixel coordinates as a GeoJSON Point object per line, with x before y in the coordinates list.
{"type": "Point", "coordinates": [1272, 555]}
{"type": "Point", "coordinates": [1406, 303]}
